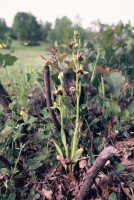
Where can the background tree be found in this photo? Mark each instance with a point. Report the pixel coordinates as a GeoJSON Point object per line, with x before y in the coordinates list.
{"type": "Point", "coordinates": [26, 27]}
{"type": "Point", "coordinates": [3, 28]}
{"type": "Point", "coordinates": [46, 31]}
{"type": "Point", "coordinates": [60, 26]}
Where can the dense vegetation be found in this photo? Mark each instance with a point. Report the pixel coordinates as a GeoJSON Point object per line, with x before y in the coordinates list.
{"type": "Point", "coordinates": [58, 114]}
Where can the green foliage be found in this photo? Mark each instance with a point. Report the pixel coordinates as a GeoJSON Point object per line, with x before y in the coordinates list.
{"type": "Point", "coordinates": [131, 107]}
{"type": "Point", "coordinates": [113, 107]}
{"type": "Point", "coordinates": [112, 196]}
{"type": "Point", "coordinates": [60, 26]}
{"type": "Point", "coordinates": [7, 60]}
{"type": "Point", "coordinates": [3, 29]}
{"type": "Point", "coordinates": [46, 30]}
{"type": "Point", "coordinates": [26, 27]}
{"type": "Point", "coordinates": [116, 82]}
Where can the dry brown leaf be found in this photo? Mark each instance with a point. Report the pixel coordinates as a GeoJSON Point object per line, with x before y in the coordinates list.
{"type": "Point", "coordinates": [62, 57]}
{"type": "Point", "coordinates": [82, 164]}
{"type": "Point", "coordinates": [126, 191]}
{"type": "Point", "coordinates": [1, 176]}
{"type": "Point", "coordinates": [101, 70]}
{"type": "Point", "coordinates": [47, 193]}
{"type": "Point", "coordinates": [61, 160]}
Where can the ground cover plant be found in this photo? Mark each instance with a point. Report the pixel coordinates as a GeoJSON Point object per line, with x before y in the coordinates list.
{"type": "Point", "coordinates": [67, 128]}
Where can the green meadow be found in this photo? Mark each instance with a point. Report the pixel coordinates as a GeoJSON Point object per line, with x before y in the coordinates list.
{"type": "Point", "coordinates": [26, 69]}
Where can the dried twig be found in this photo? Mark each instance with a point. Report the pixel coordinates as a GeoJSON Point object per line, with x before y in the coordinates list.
{"type": "Point", "coordinates": [94, 171]}
{"type": "Point", "coordinates": [48, 97]}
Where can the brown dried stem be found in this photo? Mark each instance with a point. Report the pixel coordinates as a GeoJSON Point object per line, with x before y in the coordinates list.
{"type": "Point", "coordinates": [4, 97]}
{"type": "Point", "coordinates": [48, 97]}
{"type": "Point", "coordinates": [94, 171]}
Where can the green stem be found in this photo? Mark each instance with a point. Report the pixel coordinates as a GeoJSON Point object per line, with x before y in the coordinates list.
{"type": "Point", "coordinates": [76, 132]}
{"type": "Point", "coordinates": [77, 96]}
{"type": "Point", "coordinates": [63, 136]}
{"type": "Point", "coordinates": [94, 67]}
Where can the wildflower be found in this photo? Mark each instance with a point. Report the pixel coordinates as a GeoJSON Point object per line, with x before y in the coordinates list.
{"type": "Point", "coordinates": [72, 45]}
{"type": "Point", "coordinates": [59, 92]}
{"type": "Point", "coordinates": [80, 71]}
{"type": "Point", "coordinates": [22, 113]}
{"type": "Point", "coordinates": [80, 58]}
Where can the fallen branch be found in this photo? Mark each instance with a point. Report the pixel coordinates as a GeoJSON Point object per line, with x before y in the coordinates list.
{"type": "Point", "coordinates": [94, 171]}
{"type": "Point", "coordinates": [49, 99]}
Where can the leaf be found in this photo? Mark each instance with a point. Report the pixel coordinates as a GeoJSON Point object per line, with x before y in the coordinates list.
{"type": "Point", "coordinates": [67, 101]}
{"type": "Point", "coordinates": [77, 154]}
{"type": "Point", "coordinates": [120, 168]}
{"type": "Point", "coordinates": [12, 196]}
{"type": "Point", "coordinates": [63, 138]}
{"type": "Point", "coordinates": [58, 148]}
{"type": "Point", "coordinates": [82, 164]}
{"type": "Point", "coordinates": [33, 164]}
{"type": "Point", "coordinates": [25, 118]}
{"type": "Point", "coordinates": [112, 196]}
{"type": "Point", "coordinates": [37, 196]}
{"type": "Point", "coordinates": [61, 160]}
{"type": "Point", "coordinates": [131, 107]}
{"type": "Point", "coordinates": [127, 192]}
{"type": "Point", "coordinates": [7, 60]}
{"type": "Point", "coordinates": [113, 106]}
{"type": "Point", "coordinates": [28, 75]}
{"type": "Point", "coordinates": [124, 115]}
{"type": "Point", "coordinates": [116, 82]}
{"type": "Point", "coordinates": [4, 171]}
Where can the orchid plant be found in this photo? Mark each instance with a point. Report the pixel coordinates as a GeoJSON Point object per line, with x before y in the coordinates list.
{"type": "Point", "coordinates": [72, 152]}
